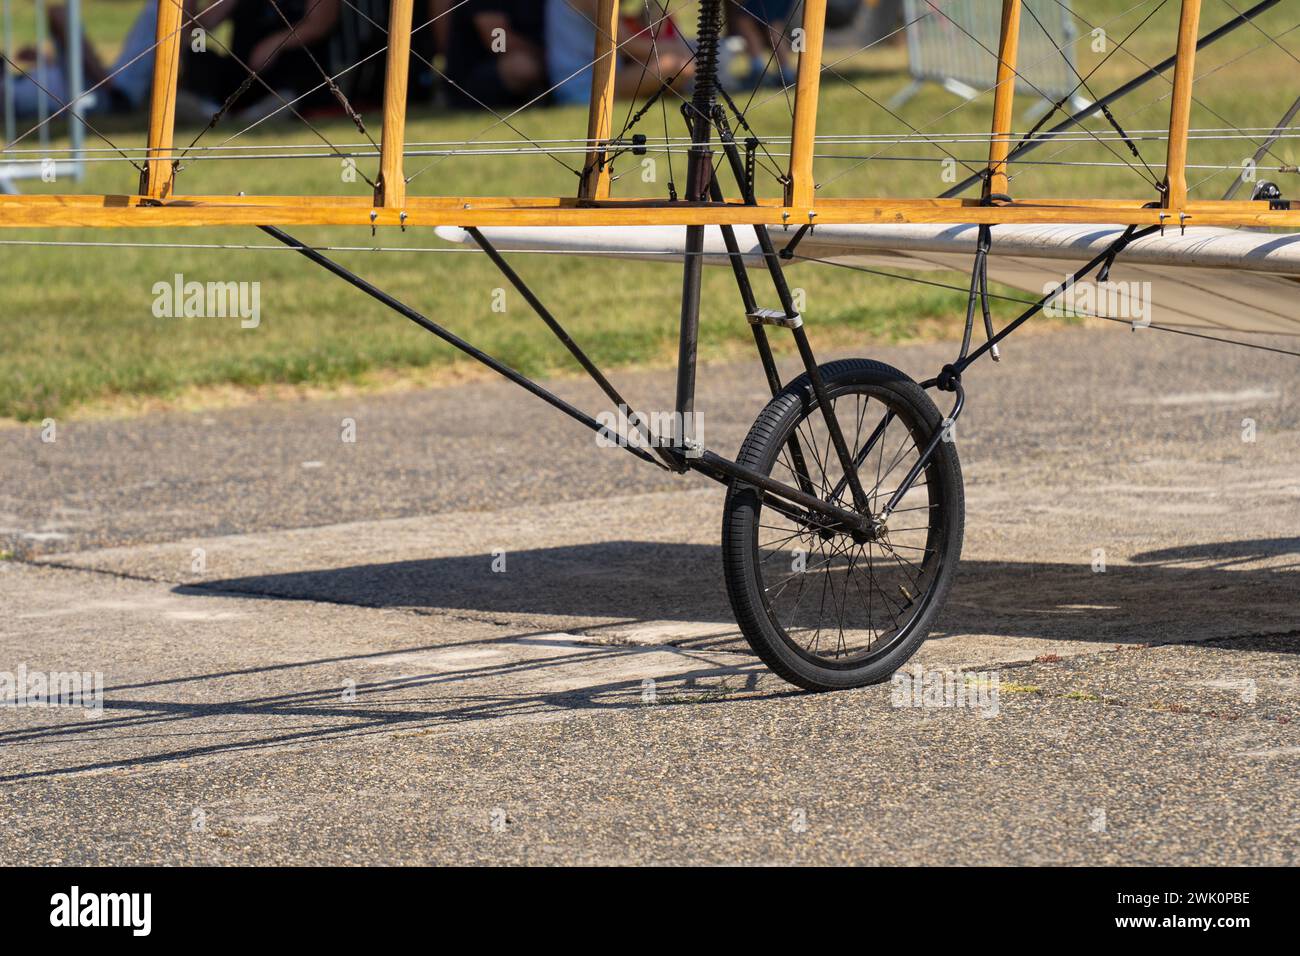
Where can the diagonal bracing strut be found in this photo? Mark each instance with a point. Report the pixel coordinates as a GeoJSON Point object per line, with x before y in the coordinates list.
{"type": "Point", "coordinates": [949, 379]}
{"type": "Point", "coordinates": [821, 514]}
{"type": "Point", "coordinates": [449, 337]}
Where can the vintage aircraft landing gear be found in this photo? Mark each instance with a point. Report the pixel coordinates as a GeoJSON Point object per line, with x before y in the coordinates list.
{"type": "Point", "coordinates": [825, 607]}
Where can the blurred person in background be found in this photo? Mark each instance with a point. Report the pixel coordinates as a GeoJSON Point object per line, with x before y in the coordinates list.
{"type": "Point", "coordinates": [120, 87]}
{"type": "Point", "coordinates": [280, 54]}
{"type": "Point", "coordinates": [440, 20]}
{"type": "Point", "coordinates": [495, 53]}
{"type": "Point", "coordinates": [765, 27]}
{"type": "Point", "coordinates": [652, 52]}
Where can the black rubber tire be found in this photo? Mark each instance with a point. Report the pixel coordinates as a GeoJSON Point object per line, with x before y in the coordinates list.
{"type": "Point", "coordinates": [742, 517]}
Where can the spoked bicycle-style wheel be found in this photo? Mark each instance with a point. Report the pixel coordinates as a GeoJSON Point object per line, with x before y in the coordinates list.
{"type": "Point", "coordinates": [826, 608]}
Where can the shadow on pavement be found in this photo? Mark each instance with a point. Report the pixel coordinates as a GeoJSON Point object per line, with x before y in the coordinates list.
{"type": "Point", "coordinates": [408, 704]}
{"type": "Point", "coordinates": [647, 581]}
{"type": "Point", "coordinates": [1161, 596]}
{"type": "Point", "coordinates": [1227, 554]}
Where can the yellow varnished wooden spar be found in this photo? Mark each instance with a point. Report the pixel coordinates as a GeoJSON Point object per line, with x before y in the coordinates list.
{"type": "Point", "coordinates": [159, 172]}
{"type": "Point", "coordinates": [1004, 96]}
{"type": "Point", "coordinates": [390, 193]}
{"type": "Point", "coordinates": [1180, 111]}
{"type": "Point", "coordinates": [159, 205]}
{"type": "Point", "coordinates": [801, 186]}
{"type": "Point", "coordinates": [488, 211]}
{"type": "Point", "coordinates": [600, 117]}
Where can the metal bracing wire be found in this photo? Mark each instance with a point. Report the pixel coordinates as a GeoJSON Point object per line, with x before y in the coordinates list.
{"type": "Point", "coordinates": [985, 92]}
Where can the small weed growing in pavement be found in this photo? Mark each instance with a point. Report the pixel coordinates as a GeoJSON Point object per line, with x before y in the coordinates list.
{"type": "Point", "coordinates": [1020, 689]}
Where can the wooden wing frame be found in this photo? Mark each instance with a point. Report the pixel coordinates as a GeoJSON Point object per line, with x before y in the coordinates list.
{"type": "Point", "coordinates": [159, 204]}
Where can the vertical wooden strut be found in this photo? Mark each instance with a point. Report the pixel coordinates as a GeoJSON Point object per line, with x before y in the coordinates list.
{"type": "Point", "coordinates": [157, 179]}
{"type": "Point", "coordinates": [800, 188]}
{"type": "Point", "coordinates": [600, 116]}
{"type": "Point", "coordinates": [1180, 112]}
{"type": "Point", "coordinates": [390, 190]}
{"type": "Point", "coordinates": [1004, 100]}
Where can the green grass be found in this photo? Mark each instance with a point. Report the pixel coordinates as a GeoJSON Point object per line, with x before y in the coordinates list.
{"type": "Point", "coordinates": [80, 331]}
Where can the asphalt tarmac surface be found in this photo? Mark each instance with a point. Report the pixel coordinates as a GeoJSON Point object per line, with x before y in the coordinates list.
{"type": "Point", "coordinates": [308, 657]}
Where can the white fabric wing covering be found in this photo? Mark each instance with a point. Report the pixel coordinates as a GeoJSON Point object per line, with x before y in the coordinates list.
{"type": "Point", "coordinates": [1209, 280]}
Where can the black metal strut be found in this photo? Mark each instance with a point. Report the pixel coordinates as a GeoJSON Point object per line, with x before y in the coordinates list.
{"type": "Point", "coordinates": [979, 291]}
{"type": "Point", "coordinates": [450, 338]}
{"type": "Point", "coordinates": [777, 273]}
{"type": "Point", "coordinates": [670, 458]}
{"type": "Point", "coordinates": [1108, 255]}
{"type": "Point", "coordinates": [949, 378]}
{"type": "Point", "coordinates": [748, 300]}
{"type": "Point", "coordinates": [699, 176]}
{"type": "Point", "coordinates": [822, 515]}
